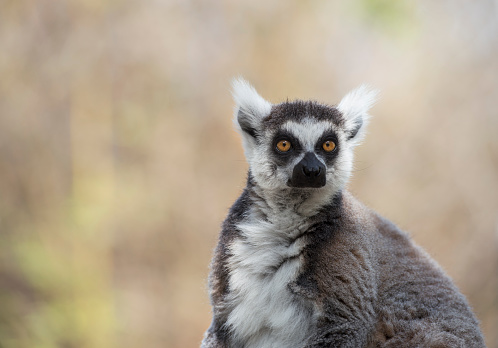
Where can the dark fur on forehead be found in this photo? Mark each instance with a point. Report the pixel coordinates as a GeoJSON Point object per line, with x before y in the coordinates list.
{"type": "Point", "coordinates": [298, 110]}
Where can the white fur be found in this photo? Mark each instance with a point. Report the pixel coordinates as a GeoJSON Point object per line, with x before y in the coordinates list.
{"type": "Point", "coordinates": [247, 99]}
{"type": "Point", "coordinates": [308, 131]}
{"type": "Point", "coordinates": [255, 107]}
{"type": "Point", "coordinates": [354, 107]}
{"type": "Point", "coordinates": [264, 311]}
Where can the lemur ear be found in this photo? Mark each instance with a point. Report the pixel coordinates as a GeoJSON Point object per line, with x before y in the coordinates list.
{"type": "Point", "coordinates": [354, 108]}
{"type": "Point", "coordinates": [250, 107]}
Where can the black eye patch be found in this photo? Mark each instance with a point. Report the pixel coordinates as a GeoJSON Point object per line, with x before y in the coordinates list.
{"type": "Point", "coordinates": [283, 157]}
{"type": "Point", "coordinates": [329, 156]}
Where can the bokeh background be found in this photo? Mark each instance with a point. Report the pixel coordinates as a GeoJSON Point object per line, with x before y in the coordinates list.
{"type": "Point", "coordinates": [118, 160]}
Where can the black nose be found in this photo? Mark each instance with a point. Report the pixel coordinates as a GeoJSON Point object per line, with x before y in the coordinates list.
{"type": "Point", "coordinates": [309, 172]}
{"type": "Point", "coordinates": [312, 171]}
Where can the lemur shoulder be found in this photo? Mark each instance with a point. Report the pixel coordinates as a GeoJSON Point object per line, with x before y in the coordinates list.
{"type": "Point", "coordinates": [301, 263]}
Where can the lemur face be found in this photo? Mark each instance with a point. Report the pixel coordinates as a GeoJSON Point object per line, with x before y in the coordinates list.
{"type": "Point", "coordinates": [300, 145]}
{"type": "Point", "coordinates": [303, 143]}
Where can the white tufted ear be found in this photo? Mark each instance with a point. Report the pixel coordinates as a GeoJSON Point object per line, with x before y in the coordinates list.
{"type": "Point", "coordinates": [354, 107]}
{"type": "Point", "coordinates": [250, 109]}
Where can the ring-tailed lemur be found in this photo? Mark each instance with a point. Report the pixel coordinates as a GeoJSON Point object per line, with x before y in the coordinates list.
{"type": "Point", "coordinates": [301, 263]}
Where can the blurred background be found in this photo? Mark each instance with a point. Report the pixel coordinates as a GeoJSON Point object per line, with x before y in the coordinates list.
{"type": "Point", "coordinates": [118, 161]}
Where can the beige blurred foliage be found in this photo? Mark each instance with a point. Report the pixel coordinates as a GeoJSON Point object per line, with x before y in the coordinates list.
{"type": "Point", "coordinates": [118, 161]}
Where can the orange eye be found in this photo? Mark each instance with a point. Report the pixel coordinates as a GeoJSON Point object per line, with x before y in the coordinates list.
{"type": "Point", "coordinates": [328, 146]}
{"type": "Point", "coordinates": [283, 145]}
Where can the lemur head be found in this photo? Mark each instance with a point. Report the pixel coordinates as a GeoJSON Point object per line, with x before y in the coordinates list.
{"type": "Point", "coordinates": [300, 145]}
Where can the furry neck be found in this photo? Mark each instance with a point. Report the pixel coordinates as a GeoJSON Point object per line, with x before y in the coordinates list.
{"type": "Point", "coordinates": [305, 202]}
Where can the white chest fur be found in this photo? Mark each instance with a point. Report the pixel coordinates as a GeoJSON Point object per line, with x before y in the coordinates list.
{"type": "Point", "coordinates": [264, 313]}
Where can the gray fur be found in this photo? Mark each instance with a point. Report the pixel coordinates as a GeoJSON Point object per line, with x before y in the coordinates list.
{"type": "Point", "coordinates": [313, 267]}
